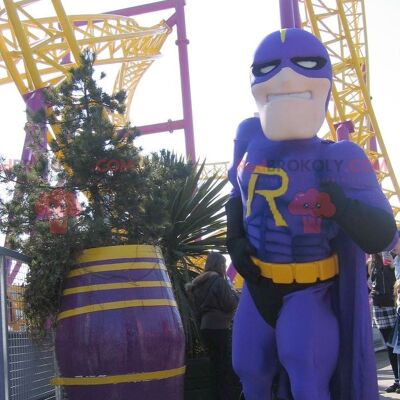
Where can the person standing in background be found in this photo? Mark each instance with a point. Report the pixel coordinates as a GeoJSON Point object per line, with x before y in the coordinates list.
{"type": "Point", "coordinates": [215, 302]}
{"type": "Point", "coordinates": [395, 339]}
{"type": "Point", "coordinates": [383, 306]}
{"type": "Point", "coordinates": [396, 261]}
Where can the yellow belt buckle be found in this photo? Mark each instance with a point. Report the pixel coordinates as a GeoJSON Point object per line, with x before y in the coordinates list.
{"type": "Point", "coordinates": [281, 273]}
{"type": "Point", "coordinates": [306, 273]}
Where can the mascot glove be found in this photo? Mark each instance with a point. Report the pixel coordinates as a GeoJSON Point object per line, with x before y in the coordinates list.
{"type": "Point", "coordinates": [372, 228]}
{"type": "Point", "coordinates": [240, 251]}
{"type": "Point", "coordinates": [337, 196]}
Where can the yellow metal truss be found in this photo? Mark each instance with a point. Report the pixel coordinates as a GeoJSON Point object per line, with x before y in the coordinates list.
{"type": "Point", "coordinates": [37, 52]}
{"type": "Point", "coordinates": [218, 169]}
{"type": "Point", "coordinates": [341, 26]}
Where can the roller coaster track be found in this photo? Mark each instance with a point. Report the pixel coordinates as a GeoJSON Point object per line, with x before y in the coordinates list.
{"type": "Point", "coordinates": [341, 26]}
{"type": "Point", "coordinates": [37, 52]}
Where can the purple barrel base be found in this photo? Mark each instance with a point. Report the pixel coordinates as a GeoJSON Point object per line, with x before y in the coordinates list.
{"type": "Point", "coordinates": [142, 334]}
{"type": "Point", "coordinates": [151, 390]}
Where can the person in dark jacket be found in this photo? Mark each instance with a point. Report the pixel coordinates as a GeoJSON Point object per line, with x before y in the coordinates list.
{"type": "Point", "coordinates": [216, 301]}
{"type": "Point", "coordinates": [383, 307]}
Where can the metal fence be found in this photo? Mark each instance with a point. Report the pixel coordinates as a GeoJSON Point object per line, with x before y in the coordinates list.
{"type": "Point", "coordinates": [26, 367]}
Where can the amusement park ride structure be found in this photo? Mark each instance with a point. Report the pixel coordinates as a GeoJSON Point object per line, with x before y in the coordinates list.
{"type": "Point", "coordinates": [37, 51]}
{"type": "Point", "coordinates": [341, 26]}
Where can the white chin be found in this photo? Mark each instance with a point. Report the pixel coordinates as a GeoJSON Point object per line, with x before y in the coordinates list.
{"type": "Point", "coordinates": [294, 119]}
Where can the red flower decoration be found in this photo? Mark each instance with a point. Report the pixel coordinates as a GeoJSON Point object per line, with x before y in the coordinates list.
{"type": "Point", "coordinates": [312, 203]}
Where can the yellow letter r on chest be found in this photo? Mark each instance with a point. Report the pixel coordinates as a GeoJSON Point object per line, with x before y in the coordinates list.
{"type": "Point", "coordinates": [268, 194]}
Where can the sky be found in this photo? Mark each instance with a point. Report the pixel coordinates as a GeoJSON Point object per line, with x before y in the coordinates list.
{"type": "Point", "coordinates": [223, 35]}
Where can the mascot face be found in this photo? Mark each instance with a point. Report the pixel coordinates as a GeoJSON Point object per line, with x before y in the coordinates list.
{"type": "Point", "coordinates": [291, 82]}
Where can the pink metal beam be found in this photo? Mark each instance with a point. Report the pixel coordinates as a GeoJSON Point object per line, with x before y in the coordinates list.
{"type": "Point", "coordinates": [171, 21]}
{"type": "Point", "coordinates": [182, 43]}
{"type": "Point", "coordinates": [343, 130]}
{"type": "Point", "coordinates": [35, 101]}
{"type": "Point", "coordinates": [178, 19]}
{"type": "Point", "coordinates": [296, 14]}
{"type": "Point", "coordinates": [169, 126]}
{"type": "Point", "coordinates": [12, 275]}
{"type": "Point", "coordinates": [290, 15]}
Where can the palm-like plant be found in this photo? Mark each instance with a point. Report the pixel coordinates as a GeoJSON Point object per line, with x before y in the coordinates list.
{"type": "Point", "coordinates": [197, 227]}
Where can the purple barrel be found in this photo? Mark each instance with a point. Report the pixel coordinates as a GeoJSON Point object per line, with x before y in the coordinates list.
{"type": "Point", "coordinates": [119, 334]}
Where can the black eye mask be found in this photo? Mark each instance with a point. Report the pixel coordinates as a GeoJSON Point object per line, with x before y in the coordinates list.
{"type": "Point", "coordinates": [310, 63]}
{"type": "Point", "coordinates": [265, 68]}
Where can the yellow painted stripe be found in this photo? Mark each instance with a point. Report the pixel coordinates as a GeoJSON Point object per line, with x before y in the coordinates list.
{"type": "Point", "coordinates": [120, 251]}
{"type": "Point", "coordinates": [283, 35]}
{"type": "Point", "coordinates": [128, 378]}
{"type": "Point", "coordinates": [111, 286]}
{"type": "Point", "coordinates": [115, 267]}
{"type": "Point", "coordinates": [114, 306]}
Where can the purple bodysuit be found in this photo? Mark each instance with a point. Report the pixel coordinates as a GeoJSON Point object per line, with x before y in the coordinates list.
{"type": "Point", "coordinates": [302, 200]}
{"type": "Point", "coordinates": [322, 330]}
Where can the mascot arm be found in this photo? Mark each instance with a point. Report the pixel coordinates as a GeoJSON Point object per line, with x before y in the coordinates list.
{"type": "Point", "coordinates": [362, 210]}
{"type": "Point", "coordinates": [238, 246]}
{"type": "Point", "coordinates": [372, 228]}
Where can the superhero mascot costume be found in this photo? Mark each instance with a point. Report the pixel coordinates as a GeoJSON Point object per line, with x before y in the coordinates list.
{"type": "Point", "coordinates": [301, 216]}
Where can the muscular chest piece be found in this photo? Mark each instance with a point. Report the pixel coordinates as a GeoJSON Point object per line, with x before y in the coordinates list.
{"type": "Point", "coordinates": [285, 189]}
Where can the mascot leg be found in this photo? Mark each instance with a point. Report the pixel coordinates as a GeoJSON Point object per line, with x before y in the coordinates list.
{"type": "Point", "coordinates": [255, 357]}
{"type": "Point", "coordinates": [307, 335]}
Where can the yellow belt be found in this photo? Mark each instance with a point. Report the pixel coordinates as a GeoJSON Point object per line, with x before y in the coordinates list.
{"type": "Point", "coordinates": [308, 272]}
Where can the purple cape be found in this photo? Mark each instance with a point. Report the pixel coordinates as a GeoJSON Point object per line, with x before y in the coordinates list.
{"type": "Point", "coordinates": [355, 377]}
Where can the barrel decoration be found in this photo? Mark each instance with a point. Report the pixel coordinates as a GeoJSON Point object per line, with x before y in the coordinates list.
{"type": "Point", "coordinates": [119, 333]}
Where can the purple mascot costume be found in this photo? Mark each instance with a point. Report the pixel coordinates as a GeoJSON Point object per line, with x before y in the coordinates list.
{"type": "Point", "coordinates": [301, 216]}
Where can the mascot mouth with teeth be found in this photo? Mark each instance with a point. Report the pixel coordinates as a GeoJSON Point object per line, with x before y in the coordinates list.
{"type": "Point", "coordinates": [299, 236]}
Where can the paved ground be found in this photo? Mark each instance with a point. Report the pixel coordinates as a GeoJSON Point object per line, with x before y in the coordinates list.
{"type": "Point", "coordinates": [385, 375]}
